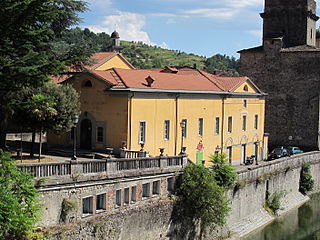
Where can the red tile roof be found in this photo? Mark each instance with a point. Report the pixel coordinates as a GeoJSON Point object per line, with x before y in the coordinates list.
{"type": "Point", "coordinates": [178, 79]}
{"type": "Point", "coordinates": [97, 59]}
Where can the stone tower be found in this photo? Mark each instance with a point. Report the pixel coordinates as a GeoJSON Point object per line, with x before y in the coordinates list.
{"type": "Point", "coordinates": [115, 42]}
{"type": "Point", "coordinates": [293, 20]}
{"type": "Point", "coordinates": [286, 67]}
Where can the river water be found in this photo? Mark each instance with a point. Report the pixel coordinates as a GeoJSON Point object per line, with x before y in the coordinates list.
{"type": "Point", "coordinates": [302, 223]}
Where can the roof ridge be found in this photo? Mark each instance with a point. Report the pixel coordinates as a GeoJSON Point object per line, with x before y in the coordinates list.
{"type": "Point", "coordinates": [215, 83]}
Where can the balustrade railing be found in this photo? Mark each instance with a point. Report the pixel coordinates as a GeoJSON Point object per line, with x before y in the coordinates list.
{"type": "Point", "coordinates": [108, 166]}
{"type": "Point", "coordinates": [46, 169]}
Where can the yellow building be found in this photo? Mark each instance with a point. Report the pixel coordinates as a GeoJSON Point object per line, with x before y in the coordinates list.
{"type": "Point", "coordinates": [169, 108]}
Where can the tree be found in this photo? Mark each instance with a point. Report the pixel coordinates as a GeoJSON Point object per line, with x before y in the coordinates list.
{"type": "Point", "coordinates": [30, 51]}
{"type": "Point", "coordinates": [224, 174]}
{"type": "Point", "coordinates": [201, 198]}
{"type": "Point", "coordinates": [50, 109]}
{"type": "Point", "coordinates": [18, 201]}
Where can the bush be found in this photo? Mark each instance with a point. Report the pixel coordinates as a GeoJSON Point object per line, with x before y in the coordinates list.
{"type": "Point", "coordinates": [201, 198]}
{"type": "Point", "coordinates": [273, 202]}
{"type": "Point", "coordinates": [306, 182]}
{"type": "Point", "coordinates": [224, 174]}
{"type": "Point", "coordinates": [18, 201]}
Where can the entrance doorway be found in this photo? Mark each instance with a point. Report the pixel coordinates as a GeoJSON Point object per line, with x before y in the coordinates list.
{"type": "Point", "coordinates": [85, 134]}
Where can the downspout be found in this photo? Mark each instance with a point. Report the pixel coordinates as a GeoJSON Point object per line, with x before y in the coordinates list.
{"type": "Point", "coordinates": [177, 126]}
{"type": "Point", "coordinates": [222, 123]}
{"type": "Point", "coordinates": [129, 121]}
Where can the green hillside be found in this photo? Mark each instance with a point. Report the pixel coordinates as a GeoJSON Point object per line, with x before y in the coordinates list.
{"type": "Point", "coordinates": [142, 55]}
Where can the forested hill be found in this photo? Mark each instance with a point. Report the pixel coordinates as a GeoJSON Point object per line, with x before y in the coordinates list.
{"type": "Point", "coordinates": [145, 56]}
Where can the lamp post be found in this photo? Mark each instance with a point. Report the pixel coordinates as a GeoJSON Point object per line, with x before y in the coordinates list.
{"type": "Point", "coordinates": [182, 125]}
{"type": "Point", "coordinates": [75, 119]}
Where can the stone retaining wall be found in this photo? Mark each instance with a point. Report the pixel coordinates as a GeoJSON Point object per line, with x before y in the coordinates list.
{"type": "Point", "coordinates": [154, 219]}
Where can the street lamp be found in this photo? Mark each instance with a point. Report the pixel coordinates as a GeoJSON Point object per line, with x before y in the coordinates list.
{"type": "Point", "coordinates": [182, 125]}
{"type": "Point", "coordinates": [75, 119]}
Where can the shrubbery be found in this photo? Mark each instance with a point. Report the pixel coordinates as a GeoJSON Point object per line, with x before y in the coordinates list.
{"type": "Point", "coordinates": [18, 201]}
{"type": "Point", "coordinates": [306, 182]}
{"type": "Point", "coordinates": [202, 192]}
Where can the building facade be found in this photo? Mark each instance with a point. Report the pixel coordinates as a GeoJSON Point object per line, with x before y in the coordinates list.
{"type": "Point", "coordinates": [169, 108]}
{"type": "Point", "coordinates": [286, 66]}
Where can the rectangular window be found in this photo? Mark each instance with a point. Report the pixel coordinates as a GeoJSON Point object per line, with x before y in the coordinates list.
{"type": "Point", "coordinates": [126, 195]}
{"type": "Point", "coordinates": [100, 134]}
{"type": "Point", "coordinates": [229, 124]}
{"type": "Point", "coordinates": [256, 121]}
{"type": "Point", "coordinates": [101, 202]}
{"type": "Point", "coordinates": [184, 127]}
{"type": "Point", "coordinates": [145, 190]}
{"type": "Point", "coordinates": [156, 188]}
{"type": "Point", "coordinates": [133, 194]}
{"type": "Point", "coordinates": [245, 103]}
{"type": "Point", "coordinates": [142, 132]}
{"type": "Point", "coordinates": [118, 197]}
{"type": "Point", "coordinates": [170, 184]}
{"type": "Point", "coordinates": [229, 154]}
{"type": "Point", "coordinates": [217, 129]}
{"type": "Point", "coordinates": [87, 205]}
{"type": "Point", "coordinates": [243, 153]}
{"type": "Point", "coordinates": [166, 134]}
{"type": "Point", "coordinates": [244, 123]}
{"type": "Point", "coordinates": [200, 127]}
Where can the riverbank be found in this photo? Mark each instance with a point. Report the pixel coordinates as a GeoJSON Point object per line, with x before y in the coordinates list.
{"type": "Point", "coordinates": [153, 217]}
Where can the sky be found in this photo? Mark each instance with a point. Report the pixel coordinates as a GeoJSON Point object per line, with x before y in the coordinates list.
{"type": "Point", "coordinates": [202, 27]}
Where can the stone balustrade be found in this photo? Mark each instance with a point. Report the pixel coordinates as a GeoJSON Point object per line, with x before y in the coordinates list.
{"type": "Point", "coordinates": [106, 167]}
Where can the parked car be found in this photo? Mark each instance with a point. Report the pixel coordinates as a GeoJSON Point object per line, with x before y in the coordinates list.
{"type": "Point", "coordinates": [278, 153]}
{"type": "Point", "coordinates": [294, 150]}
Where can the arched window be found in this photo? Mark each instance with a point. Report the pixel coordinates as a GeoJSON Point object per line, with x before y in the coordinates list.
{"type": "Point", "coordinates": [245, 88]}
{"type": "Point", "coordinates": [87, 83]}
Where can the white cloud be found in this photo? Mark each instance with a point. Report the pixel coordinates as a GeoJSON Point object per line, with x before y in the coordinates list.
{"type": "Point", "coordinates": [99, 4]}
{"type": "Point", "coordinates": [213, 12]}
{"type": "Point", "coordinates": [164, 45]}
{"type": "Point", "coordinates": [129, 25]}
{"type": "Point", "coordinates": [243, 3]}
{"type": "Point", "coordinates": [256, 33]}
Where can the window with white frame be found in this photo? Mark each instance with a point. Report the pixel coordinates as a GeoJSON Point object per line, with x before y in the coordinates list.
{"type": "Point", "coordinates": [133, 194]}
{"type": "Point", "coordinates": [118, 197]}
{"type": "Point", "coordinates": [200, 127]}
{"type": "Point", "coordinates": [101, 202]}
{"type": "Point", "coordinates": [87, 205]}
{"type": "Point", "coordinates": [230, 124]}
{"type": "Point", "coordinates": [142, 132]}
{"type": "Point", "coordinates": [256, 121]}
{"type": "Point", "coordinates": [166, 134]}
{"type": "Point", "coordinates": [244, 123]}
{"type": "Point", "coordinates": [126, 195]}
{"type": "Point", "coordinates": [100, 134]}
{"type": "Point", "coordinates": [170, 184]}
{"type": "Point", "coordinates": [184, 127]}
{"type": "Point", "coordinates": [145, 190]}
{"type": "Point", "coordinates": [217, 127]}
{"type": "Point", "coordinates": [156, 188]}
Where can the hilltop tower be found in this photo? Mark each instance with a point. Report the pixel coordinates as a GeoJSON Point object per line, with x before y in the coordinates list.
{"type": "Point", "coordinates": [292, 20]}
{"type": "Point", "coordinates": [115, 42]}
{"type": "Point", "coordinates": [286, 67]}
